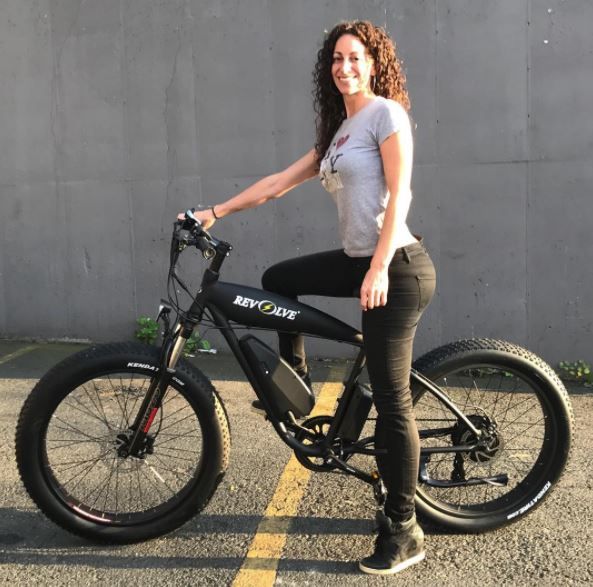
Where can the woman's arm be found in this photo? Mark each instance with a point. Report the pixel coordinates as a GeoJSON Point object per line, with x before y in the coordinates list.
{"type": "Point", "coordinates": [397, 155]}
{"type": "Point", "coordinates": [267, 188]}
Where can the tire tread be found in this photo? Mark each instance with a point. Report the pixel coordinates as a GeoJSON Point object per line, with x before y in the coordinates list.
{"type": "Point", "coordinates": [58, 374]}
{"type": "Point", "coordinates": [430, 361]}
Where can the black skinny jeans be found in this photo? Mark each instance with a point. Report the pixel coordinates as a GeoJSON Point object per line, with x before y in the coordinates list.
{"type": "Point", "coordinates": [388, 333]}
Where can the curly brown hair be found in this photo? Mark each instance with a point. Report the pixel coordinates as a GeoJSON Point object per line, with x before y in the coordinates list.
{"type": "Point", "coordinates": [390, 79]}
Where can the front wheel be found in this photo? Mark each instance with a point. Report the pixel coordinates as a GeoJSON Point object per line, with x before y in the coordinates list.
{"type": "Point", "coordinates": [80, 413]}
{"type": "Point", "coordinates": [519, 402]}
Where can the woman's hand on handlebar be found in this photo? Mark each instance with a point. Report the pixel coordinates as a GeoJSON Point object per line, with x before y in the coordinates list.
{"type": "Point", "coordinates": [206, 217]}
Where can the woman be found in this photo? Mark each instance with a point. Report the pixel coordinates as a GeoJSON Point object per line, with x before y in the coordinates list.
{"type": "Point", "coordinates": [363, 156]}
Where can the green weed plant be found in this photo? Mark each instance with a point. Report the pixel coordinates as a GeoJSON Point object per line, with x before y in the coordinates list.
{"type": "Point", "coordinates": [577, 371]}
{"type": "Point", "coordinates": [148, 331]}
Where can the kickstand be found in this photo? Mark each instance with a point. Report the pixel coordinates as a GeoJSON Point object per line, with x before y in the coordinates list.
{"type": "Point", "coordinates": [458, 473]}
{"type": "Point", "coordinates": [379, 491]}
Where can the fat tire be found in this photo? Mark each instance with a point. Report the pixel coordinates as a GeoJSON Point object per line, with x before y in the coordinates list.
{"type": "Point", "coordinates": [455, 356]}
{"type": "Point", "coordinates": [84, 366]}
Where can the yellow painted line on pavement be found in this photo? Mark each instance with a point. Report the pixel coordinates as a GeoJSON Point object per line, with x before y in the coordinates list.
{"type": "Point", "coordinates": [16, 354]}
{"type": "Point", "coordinates": [261, 562]}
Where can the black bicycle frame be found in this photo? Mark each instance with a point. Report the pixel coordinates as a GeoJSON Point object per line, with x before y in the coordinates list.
{"type": "Point", "coordinates": [256, 308]}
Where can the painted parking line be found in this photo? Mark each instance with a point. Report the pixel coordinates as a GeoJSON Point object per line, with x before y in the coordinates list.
{"type": "Point", "coordinates": [17, 353]}
{"type": "Point", "coordinates": [261, 562]}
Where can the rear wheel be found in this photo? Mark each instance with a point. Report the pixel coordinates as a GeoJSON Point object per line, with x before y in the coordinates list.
{"type": "Point", "coordinates": [78, 417]}
{"type": "Point", "coordinates": [521, 406]}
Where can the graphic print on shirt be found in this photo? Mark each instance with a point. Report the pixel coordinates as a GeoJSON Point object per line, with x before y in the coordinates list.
{"type": "Point", "coordinates": [330, 178]}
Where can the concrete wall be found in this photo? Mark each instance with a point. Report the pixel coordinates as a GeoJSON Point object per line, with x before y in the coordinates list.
{"type": "Point", "coordinates": [116, 114]}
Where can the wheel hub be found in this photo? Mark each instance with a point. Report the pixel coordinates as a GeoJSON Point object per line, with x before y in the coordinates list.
{"type": "Point", "coordinates": [490, 445]}
{"type": "Point", "coordinates": [122, 444]}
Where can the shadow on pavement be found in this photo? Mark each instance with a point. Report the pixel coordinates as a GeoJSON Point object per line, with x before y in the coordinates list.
{"type": "Point", "coordinates": [30, 529]}
{"type": "Point", "coordinates": [33, 540]}
{"type": "Point", "coordinates": [38, 358]}
{"type": "Point", "coordinates": [41, 357]}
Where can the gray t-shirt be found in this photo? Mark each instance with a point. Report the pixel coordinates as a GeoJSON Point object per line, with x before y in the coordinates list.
{"type": "Point", "coordinates": [352, 171]}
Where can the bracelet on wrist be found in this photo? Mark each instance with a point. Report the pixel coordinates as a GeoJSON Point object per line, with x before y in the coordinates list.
{"type": "Point", "coordinates": [214, 213]}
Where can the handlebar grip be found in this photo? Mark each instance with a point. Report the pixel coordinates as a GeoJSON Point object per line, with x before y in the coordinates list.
{"type": "Point", "coordinates": [189, 215]}
{"type": "Point", "coordinates": [189, 221]}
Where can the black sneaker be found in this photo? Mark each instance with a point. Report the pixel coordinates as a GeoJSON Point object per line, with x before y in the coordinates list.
{"type": "Point", "coordinates": [259, 407]}
{"type": "Point", "coordinates": [398, 546]}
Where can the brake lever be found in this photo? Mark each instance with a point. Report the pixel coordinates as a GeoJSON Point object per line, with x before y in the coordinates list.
{"type": "Point", "coordinates": [189, 215]}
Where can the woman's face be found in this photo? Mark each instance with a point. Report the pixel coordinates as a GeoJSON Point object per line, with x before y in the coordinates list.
{"type": "Point", "coordinates": [352, 67]}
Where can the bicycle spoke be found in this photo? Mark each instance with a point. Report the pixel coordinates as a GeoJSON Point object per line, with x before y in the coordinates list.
{"type": "Point", "coordinates": [82, 453]}
{"type": "Point", "coordinates": [178, 457]}
{"type": "Point", "coordinates": [171, 414]}
{"type": "Point", "coordinates": [138, 396]}
{"type": "Point", "coordinates": [70, 427]}
{"type": "Point", "coordinates": [123, 416]}
{"type": "Point", "coordinates": [177, 422]}
{"type": "Point", "coordinates": [114, 465]}
{"type": "Point", "coordinates": [507, 408]}
{"type": "Point", "coordinates": [518, 417]}
{"type": "Point", "coordinates": [163, 467]}
{"type": "Point", "coordinates": [155, 474]}
{"type": "Point", "coordinates": [178, 449]}
{"type": "Point", "coordinates": [483, 392]}
{"type": "Point", "coordinates": [84, 409]}
{"type": "Point", "coordinates": [175, 437]}
{"type": "Point", "coordinates": [73, 464]}
{"type": "Point", "coordinates": [100, 403]}
{"type": "Point", "coordinates": [84, 473]}
{"type": "Point", "coordinates": [73, 442]}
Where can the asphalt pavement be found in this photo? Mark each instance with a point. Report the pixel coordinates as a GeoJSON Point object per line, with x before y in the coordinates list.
{"type": "Point", "coordinates": [330, 530]}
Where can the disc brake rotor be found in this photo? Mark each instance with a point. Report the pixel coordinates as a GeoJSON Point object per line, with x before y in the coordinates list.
{"type": "Point", "coordinates": [490, 446]}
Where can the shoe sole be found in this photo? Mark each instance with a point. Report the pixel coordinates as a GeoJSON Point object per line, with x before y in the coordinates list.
{"type": "Point", "coordinates": [396, 569]}
{"type": "Point", "coordinates": [260, 412]}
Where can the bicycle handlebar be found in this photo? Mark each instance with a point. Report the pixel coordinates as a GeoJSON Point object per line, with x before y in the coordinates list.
{"type": "Point", "coordinates": [199, 237]}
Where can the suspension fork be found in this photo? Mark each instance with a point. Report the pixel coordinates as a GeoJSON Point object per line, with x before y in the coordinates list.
{"type": "Point", "coordinates": [170, 354]}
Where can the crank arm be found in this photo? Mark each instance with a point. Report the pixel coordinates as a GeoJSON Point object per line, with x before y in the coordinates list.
{"type": "Point", "coordinates": [374, 479]}
{"type": "Point", "coordinates": [350, 470]}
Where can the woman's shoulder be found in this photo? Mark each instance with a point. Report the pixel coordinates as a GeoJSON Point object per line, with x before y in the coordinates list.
{"type": "Point", "coordinates": [388, 116]}
{"type": "Point", "coordinates": [391, 106]}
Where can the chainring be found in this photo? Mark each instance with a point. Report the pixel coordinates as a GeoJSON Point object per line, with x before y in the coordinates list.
{"type": "Point", "coordinates": [318, 425]}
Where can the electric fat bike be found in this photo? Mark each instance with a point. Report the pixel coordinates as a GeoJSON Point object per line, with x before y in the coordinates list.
{"type": "Point", "coordinates": [124, 442]}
